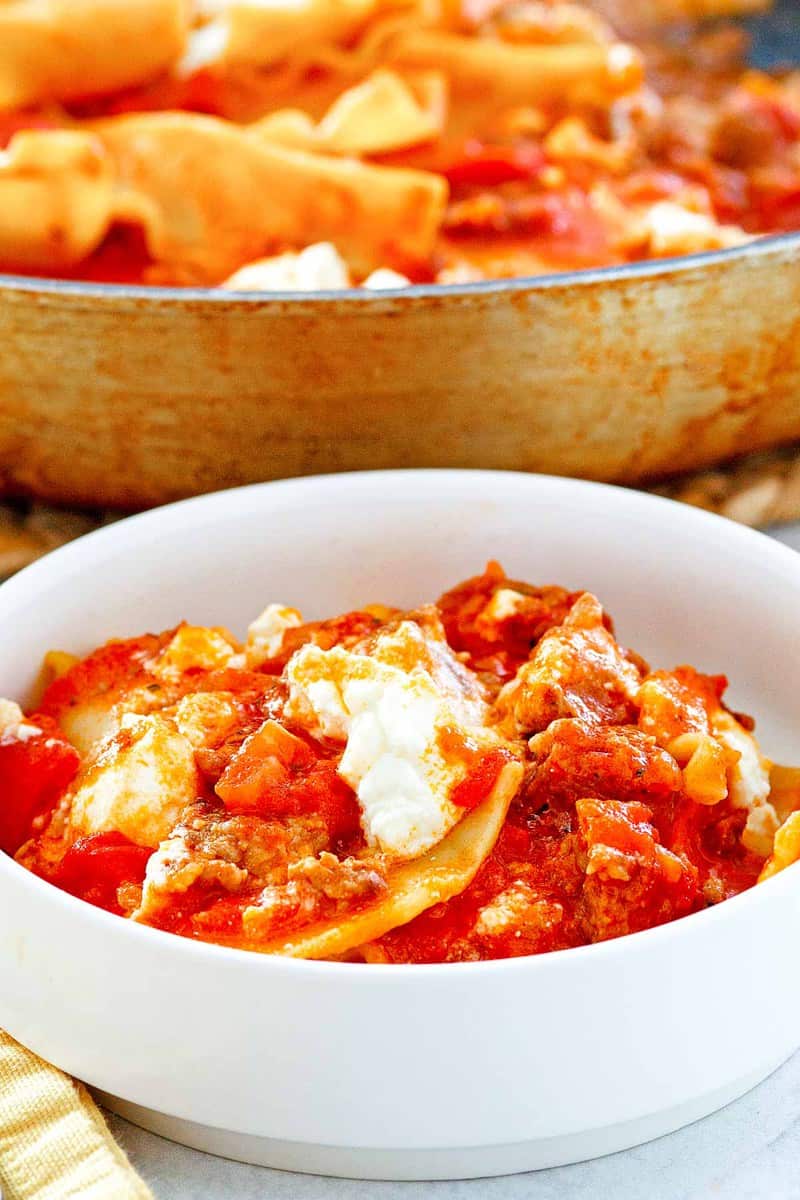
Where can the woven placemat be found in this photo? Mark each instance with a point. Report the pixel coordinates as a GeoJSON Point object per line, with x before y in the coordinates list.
{"type": "Point", "coordinates": [758, 490]}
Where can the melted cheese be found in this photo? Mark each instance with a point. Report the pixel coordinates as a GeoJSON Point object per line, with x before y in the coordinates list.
{"type": "Point", "coordinates": [384, 279]}
{"type": "Point", "coordinates": [206, 718]}
{"type": "Point", "coordinates": [265, 635]}
{"type": "Point", "coordinates": [91, 722]}
{"type": "Point", "coordinates": [193, 648]}
{"type": "Point", "coordinates": [671, 229]}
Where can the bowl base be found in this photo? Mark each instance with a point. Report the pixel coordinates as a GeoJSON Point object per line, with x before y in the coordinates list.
{"type": "Point", "coordinates": [470, 1162]}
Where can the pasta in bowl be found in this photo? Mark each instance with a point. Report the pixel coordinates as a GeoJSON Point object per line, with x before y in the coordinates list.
{"type": "Point", "coordinates": [377, 143]}
{"type": "Point", "coordinates": [371, 1068]}
{"type": "Point", "coordinates": [486, 777]}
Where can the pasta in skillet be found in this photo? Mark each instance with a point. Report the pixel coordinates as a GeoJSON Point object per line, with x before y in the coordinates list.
{"type": "Point", "coordinates": [216, 142]}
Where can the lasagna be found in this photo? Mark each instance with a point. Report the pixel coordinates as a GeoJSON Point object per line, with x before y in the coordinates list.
{"type": "Point", "coordinates": [323, 144]}
{"type": "Point", "coordinates": [488, 776]}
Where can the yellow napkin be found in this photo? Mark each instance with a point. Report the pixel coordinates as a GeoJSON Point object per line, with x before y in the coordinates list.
{"type": "Point", "coordinates": [54, 1143]}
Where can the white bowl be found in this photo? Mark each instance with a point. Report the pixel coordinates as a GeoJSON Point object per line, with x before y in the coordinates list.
{"type": "Point", "coordinates": [432, 1071]}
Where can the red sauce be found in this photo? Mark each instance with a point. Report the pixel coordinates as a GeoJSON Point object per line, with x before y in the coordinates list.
{"type": "Point", "coordinates": [344, 630]}
{"type": "Point", "coordinates": [34, 772]}
{"type": "Point", "coordinates": [500, 652]}
{"type": "Point", "coordinates": [484, 165]}
{"type": "Point", "coordinates": [601, 839]}
{"type": "Point", "coordinates": [520, 203]}
{"type": "Point", "coordinates": [210, 913]}
{"type": "Point", "coordinates": [105, 673]}
{"type": "Point", "coordinates": [483, 767]}
{"type": "Point", "coordinates": [276, 774]}
{"type": "Point", "coordinates": [96, 867]}
{"type": "Point", "coordinates": [711, 839]}
{"type": "Point", "coordinates": [202, 92]}
{"type": "Point", "coordinates": [13, 123]}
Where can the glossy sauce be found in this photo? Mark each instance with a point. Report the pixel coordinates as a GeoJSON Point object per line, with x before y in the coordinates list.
{"type": "Point", "coordinates": [600, 840]}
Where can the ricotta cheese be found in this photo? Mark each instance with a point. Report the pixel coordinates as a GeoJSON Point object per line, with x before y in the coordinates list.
{"type": "Point", "coordinates": [88, 724]}
{"type": "Point", "coordinates": [11, 715]}
{"type": "Point", "coordinates": [318, 268]}
{"type": "Point", "coordinates": [385, 278]}
{"type": "Point", "coordinates": [206, 718]}
{"type": "Point", "coordinates": [390, 713]}
{"type": "Point", "coordinates": [672, 229]}
{"type": "Point", "coordinates": [138, 784]}
{"type": "Point", "coordinates": [13, 726]}
{"type": "Point", "coordinates": [265, 635]}
{"type": "Point", "coordinates": [504, 604]}
{"type": "Point", "coordinates": [517, 907]}
{"type": "Point", "coordinates": [506, 911]}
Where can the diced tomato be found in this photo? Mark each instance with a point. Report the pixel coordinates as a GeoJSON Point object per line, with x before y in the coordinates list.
{"type": "Point", "coordinates": [222, 917]}
{"type": "Point", "coordinates": [96, 867]}
{"type": "Point", "coordinates": [275, 774]}
{"type": "Point", "coordinates": [624, 827]}
{"type": "Point", "coordinates": [260, 776]}
{"type": "Point", "coordinates": [777, 208]}
{"type": "Point", "coordinates": [485, 165]}
{"type": "Point", "coordinates": [326, 793]}
{"type": "Point", "coordinates": [34, 771]}
{"type": "Point", "coordinates": [480, 780]}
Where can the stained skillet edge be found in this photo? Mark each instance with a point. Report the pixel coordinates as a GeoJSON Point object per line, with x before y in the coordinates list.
{"type": "Point", "coordinates": [765, 246]}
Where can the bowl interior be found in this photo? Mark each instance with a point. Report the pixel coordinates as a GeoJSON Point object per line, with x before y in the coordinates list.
{"type": "Point", "coordinates": [682, 586]}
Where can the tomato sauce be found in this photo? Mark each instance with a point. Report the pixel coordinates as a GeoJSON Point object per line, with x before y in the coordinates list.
{"type": "Point", "coordinates": [96, 868]}
{"type": "Point", "coordinates": [276, 774]}
{"type": "Point", "coordinates": [34, 772]}
{"type": "Point", "coordinates": [602, 837]}
{"type": "Point", "coordinates": [559, 183]}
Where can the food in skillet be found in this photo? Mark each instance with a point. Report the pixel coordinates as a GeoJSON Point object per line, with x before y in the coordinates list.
{"type": "Point", "coordinates": [486, 777]}
{"type": "Point", "coordinates": [315, 144]}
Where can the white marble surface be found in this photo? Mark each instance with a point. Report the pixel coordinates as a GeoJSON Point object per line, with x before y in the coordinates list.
{"type": "Point", "coordinates": [749, 1151]}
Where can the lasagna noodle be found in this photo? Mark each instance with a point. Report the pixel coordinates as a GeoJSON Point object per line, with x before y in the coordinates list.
{"type": "Point", "coordinates": [211, 196]}
{"type": "Point", "coordinates": [519, 73]}
{"type": "Point", "coordinates": [63, 49]}
{"type": "Point", "coordinates": [56, 199]}
{"type": "Point", "coordinates": [377, 116]}
{"type": "Point", "coordinates": [264, 34]}
{"type": "Point", "coordinates": [415, 886]}
{"type": "Point", "coordinates": [786, 850]}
